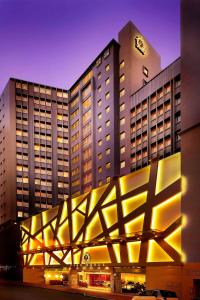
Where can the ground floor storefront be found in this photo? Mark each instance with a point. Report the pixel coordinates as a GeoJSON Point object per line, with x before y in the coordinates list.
{"type": "Point", "coordinates": [184, 280]}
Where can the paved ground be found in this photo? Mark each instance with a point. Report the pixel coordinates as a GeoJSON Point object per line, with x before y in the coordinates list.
{"type": "Point", "coordinates": [14, 292]}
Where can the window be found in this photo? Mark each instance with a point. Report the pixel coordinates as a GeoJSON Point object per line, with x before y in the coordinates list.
{"type": "Point", "coordinates": [108, 165]}
{"type": "Point", "coordinates": [145, 71]}
{"type": "Point", "coordinates": [86, 116]}
{"type": "Point", "coordinates": [100, 129]}
{"type": "Point", "coordinates": [87, 103]}
{"type": "Point", "coordinates": [122, 164]}
{"type": "Point", "coordinates": [99, 76]}
{"type": "Point", "coordinates": [100, 156]}
{"type": "Point", "coordinates": [100, 142]}
{"type": "Point", "coordinates": [108, 123]}
{"type": "Point", "coordinates": [99, 88]}
{"type": "Point", "coordinates": [107, 95]}
{"type": "Point", "coordinates": [75, 148]}
{"type": "Point", "coordinates": [75, 125]}
{"type": "Point", "coordinates": [107, 81]}
{"type": "Point", "coordinates": [122, 107]}
{"type": "Point", "coordinates": [98, 62]}
{"type": "Point", "coordinates": [107, 68]}
{"type": "Point", "coordinates": [167, 88]}
{"type": "Point", "coordinates": [121, 65]}
{"type": "Point", "coordinates": [107, 109]}
{"type": "Point", "coordinates": [121, 78]}
{"type": "Point", "coordinates": [99, 102]}
{"type": "Point", "coordinates": [177, 81]}
{"type": "Point", "coordinates": [99, 169]}
{"type": "Point", "coordinates": [122, 121]}
{"type": "Point", "coordinates": [87, 166]}
{"type": "Point", "coordinates": [87, 153]}
{"type": "Point", "coordinates": [100, 116]}
{"type": "Point", "coordinates": [160, 93]}
{"type": "Point", "coordinates": [106, 53]}
{"type": "Point", "coordinates": [122, 135]}
{"type": "Point", "coordinates": [122, 149]}
{"type": "Point", "coordinates": [108, 179]}
{"type": "Point", "coordinates": [108, 137]}
{"type": "Point", "coordinates": [107, 151]}
{"type": "Point", "coordinates": [87, 140]}
{"type": "Point", "coordinates": [122, 93]}
{"type": "Point", "coordinates": [100, 182]}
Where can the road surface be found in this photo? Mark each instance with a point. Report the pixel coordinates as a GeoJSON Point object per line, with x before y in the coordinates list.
{"type": "Point", "coordinates": [13, 292]}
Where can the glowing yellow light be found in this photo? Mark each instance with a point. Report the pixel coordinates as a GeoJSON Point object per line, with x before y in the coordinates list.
{"type": "Point", "coordinates": [68, 258]}
{"type": "Point", "coordinates": [77, 257]}
{"type": "Point", "coordinates": [82, 207]}
{"type": "Point", "coordinates": [63, 233]}
{"type": "Point", "coordinates": [76, 201]}
{"type": "Point", "coordinates": [110, 215]}
{"type": "Point", "coordinates": [134, 180]}
{"type": "Point", "coordinates": [134, 225]}
{"type": "Point", "coordinates": [64, 212]}
{"type": "Point", "coordinates": [184, 185]}
{"type": "Point", "coordinates": [166, 213]}
{"type": "Point", "coordinates": [114, 233]}
{"type": "Point", "coordinates": [77, 222]}
{"type": "Point", "coordinates": [98, 254]}
{"type": "Point", "coordinates": [94, 228]}
{"type": "Point", "coordinates": [184, 220]}
{"type": "Point", "coordinates": [95, 196]}
{"type": "Point", "coordinates": [174, 239]}
{"type": "Point", "coordinates": [58, 253]}
{"type": "Point", "coordinates": [169, 170]}
{"type": "Point", "coordinates": [133, 251]}
{"type": "Point", "coordinates": [156, 253]}
{"type": "Point", "coordinates": [37, 260]}
{"type": "Point", "coordinates": [132, 203]}
{"type": "Point", "coordinates": [116, 248]}
{"type": "Point", "coordinates": [111, 196]}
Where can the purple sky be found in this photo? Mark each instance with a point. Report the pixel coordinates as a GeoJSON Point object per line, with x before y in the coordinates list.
{"type": "Point", "coordinates": [54, 41]}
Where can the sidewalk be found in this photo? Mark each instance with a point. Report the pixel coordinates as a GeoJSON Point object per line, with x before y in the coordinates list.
{"type": "Point", "coordinates": [83, 291]}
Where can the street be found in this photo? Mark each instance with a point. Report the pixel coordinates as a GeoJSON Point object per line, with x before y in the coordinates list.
{"type": "Point", "coordinates": [13, 292]}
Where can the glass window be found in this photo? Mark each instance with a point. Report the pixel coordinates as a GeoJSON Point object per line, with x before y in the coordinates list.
{"type": "Point", "coordinates": [122, 107]}
{"type": "Point", "coordinates": [107, 151]}
{"type": "Point", "coordinates": [108, 123]}
{"type": "Point", "coordinates": [121, 78]}
{"type": "Point", "coordinates": [122, 164]}
{"type": "Point", "coordinates": [122, 121]}
{"type": "Point", "coordinates": [121, 65]}
{"type": "Point", "coordinates": [122, 149]}
{"type": "Point", "coordinates": [100, 116]}
{"type": "Point", "coordinates": [107, 109]}
{"type": "Point", "coordinates": [122, 135]}
{"type": "Point", "coordinates": [107, 95]}
{"type": "Point", "coordinates": [108, 137]}
{"type": "Point", "coordinates": [122, 92]}
{"type": "Point", "coordinates": [108, 165]}
{"type": "Point", "coordinates": [107, 68]}
{"type": "Point", "coordinates": [107, 81]}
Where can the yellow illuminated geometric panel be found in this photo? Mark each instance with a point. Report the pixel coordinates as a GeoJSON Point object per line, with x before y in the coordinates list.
{"type": "Point", "coordinates": [132, 181]}
{"type": "Point", "coordinates": [77, 257]}
{"type": "Point", "coordinates": [95, 196]}
{"type": "Point", "coordinates": [114, 233]}
{"type": "Point", "coordinates": [132, 203]}
{"type": "Point", "coordinates": [48, 237]}
{"type": "Point", "coordinates": [68, 258]}
{"type": "Point", "coordinates": [46, 258]}
{"type": "Point", "coordinates": [111, 196]}
{"type": "Point", "coordinates": [110, 215]}
{"type": "Point", "coordinates": [64, 213]}
{"type": "Point", "coordinates": [133, 251]}
{"type": "Point", "coordinates": [166, 213]}
{"type": "Point", "coordinates": [156, 253]}
{"type": "Point", "coordinates": [82, 207]}
{"type": "Point", "coordinates": [169, 170]}
{"type": "Point", "coordinates": [63, 233]}
{"type": "Point", "coordinates": [38, 259]}
{"type": "Point", "coordinates": [98, 254]}
{"type": "Point", "coordinates": [174, 239]}
{"type": "Point", "coordinates": [53, 261]}
{"type": "Point", "coordinates": [76, 201]}
{"type": "Point", "coordinates": [94, 228]}
{"type": "Point", "coordinates": [48, 215]}
{"type": "Point", "coordinates": [134, 226]}
{"type": "Point", "coordinates": [58, 253]}
{"type": "Point", "coordinates": [77, 222]}
{"type": "Point", "coordinates": [116, 248]}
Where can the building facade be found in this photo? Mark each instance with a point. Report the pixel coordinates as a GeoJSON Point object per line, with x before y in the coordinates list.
{"type": "Point", "coordinates": [34, 149]}
{"type": "Point", "coordinates": [112, 235]}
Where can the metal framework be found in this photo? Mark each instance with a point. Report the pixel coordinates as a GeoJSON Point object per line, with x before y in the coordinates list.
{"type": "Point", "coordinates": [113, 223]}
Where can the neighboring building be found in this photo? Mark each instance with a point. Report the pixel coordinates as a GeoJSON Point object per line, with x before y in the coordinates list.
{"type": "Point", "coordinates": [34, 149]}
{"type": "Point", "coordinates": [155, 119]}
{"type": "Point", "coordinates": [100, 108]}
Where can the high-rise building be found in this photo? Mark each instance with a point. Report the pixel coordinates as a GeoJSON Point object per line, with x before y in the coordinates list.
{"type": "Point", "coordinates": [34, 148]}
{"type": "Point", "coordinates": [99, 108]}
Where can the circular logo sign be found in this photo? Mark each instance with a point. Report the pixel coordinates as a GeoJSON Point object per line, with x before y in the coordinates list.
{"type": "Point", "coordinates": [87, 257]}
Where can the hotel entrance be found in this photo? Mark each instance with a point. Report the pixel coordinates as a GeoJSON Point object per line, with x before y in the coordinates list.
{"type": "Point", "coordinates": [95, 280]}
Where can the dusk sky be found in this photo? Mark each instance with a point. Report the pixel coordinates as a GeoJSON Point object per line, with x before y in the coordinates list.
{"type": "Point", "coordinates": [53, 41]}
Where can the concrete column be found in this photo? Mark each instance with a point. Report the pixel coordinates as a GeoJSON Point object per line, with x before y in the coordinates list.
{"type": "Point", "coordinates": [73, 278]}
{"type": "Point", "coordinates": [115, 281]}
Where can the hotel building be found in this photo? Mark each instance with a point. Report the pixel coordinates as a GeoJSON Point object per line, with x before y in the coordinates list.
{"type": "Point", "coordinates": [133, 210]}
{"type": "Point", "coordinates": [34, 149]}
